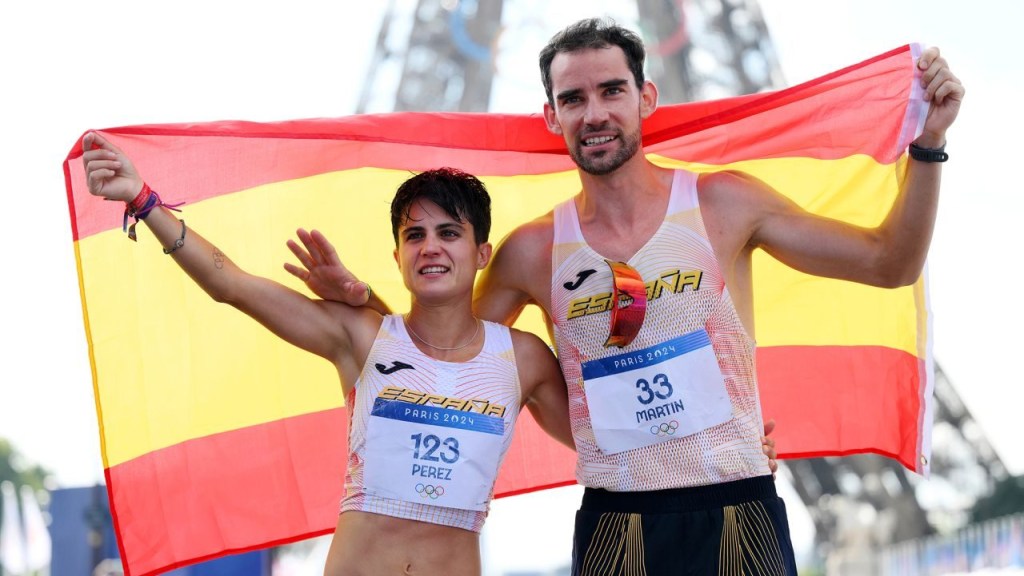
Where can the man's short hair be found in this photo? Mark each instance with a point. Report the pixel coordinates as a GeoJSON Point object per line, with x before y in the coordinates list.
{"type": "Point", "coordinates": [461, 195]}
{"type": "Point", "coordinates": [593, 33]}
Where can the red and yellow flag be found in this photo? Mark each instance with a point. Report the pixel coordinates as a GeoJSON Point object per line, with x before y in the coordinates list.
{"type": "Point", "coordinates": [218, 437]}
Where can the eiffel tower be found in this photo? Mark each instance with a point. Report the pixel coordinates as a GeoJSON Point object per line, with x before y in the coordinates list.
{"type": "Point", "coordinates": [443, 52]}
{"type": "Point", "coordinates": [439, 55]}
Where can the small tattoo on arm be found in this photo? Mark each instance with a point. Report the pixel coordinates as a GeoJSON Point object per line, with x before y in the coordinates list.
{"type": "Point", "coordinates": [218, 259]}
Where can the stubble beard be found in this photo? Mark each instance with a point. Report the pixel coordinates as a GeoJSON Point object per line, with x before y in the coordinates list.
{"type": "Point", "coordinates": [606, 164]}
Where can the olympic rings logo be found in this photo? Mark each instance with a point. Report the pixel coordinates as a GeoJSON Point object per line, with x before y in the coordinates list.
{"type": "Point", "coordinates": [429, 491]}
{"type": "Point", "coordinates": [665, 428]}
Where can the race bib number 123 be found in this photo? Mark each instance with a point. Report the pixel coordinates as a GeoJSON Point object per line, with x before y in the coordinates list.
{"type": "Point", "coordinates": [432, 455]}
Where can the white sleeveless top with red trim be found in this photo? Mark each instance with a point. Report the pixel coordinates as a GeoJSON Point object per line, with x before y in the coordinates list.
{"type": "Point", "coordinates": [427, 437]}
{"type": "Point", "coordinates": [678, 406]}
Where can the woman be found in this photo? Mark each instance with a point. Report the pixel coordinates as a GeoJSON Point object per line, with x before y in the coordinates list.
{"type": "Point", "coordinates": [432, 395]}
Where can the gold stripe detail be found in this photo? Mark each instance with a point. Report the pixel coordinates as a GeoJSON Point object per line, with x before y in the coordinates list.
{"type": "Point", "coordinates": [749, 545]}
{"type": "Point", "coordinates": [618, 536]}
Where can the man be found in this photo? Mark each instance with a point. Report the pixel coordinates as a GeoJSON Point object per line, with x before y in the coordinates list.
{"type": "Point", "coordinates": [433, 395]}
{"type": "Point", "coordinates": [646, 278]}
{"type": "Point", "coordinates": [702, 503]}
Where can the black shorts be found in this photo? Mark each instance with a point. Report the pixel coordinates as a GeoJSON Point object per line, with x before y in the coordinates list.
{"type": "Point", "coordinates": [736, 528]}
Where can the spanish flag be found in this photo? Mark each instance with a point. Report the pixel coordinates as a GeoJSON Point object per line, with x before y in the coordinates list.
{"type": "Point", "coordinates": [217, 437]}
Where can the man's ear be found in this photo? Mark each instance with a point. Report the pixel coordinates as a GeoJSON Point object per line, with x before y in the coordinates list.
{"type": "Point", "coordinates": [648, 99]}
{"type": "Point", "coordinates": [397, 261]}
{"type": "Point", "coordinates": [551, 119]}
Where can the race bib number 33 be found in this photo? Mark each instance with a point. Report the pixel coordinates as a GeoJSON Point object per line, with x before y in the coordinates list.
{"type": "Point", "coordinates": [432, 455]}
{"type": "Point", "coordinates": [656, 394]}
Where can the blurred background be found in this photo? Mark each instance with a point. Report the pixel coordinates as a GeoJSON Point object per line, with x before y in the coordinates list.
{"type": "Point", "coordinates": [68, 67]}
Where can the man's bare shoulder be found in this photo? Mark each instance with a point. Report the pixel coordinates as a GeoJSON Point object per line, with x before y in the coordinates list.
{"type": "Point", "coordinates": [528, 238]}
{"type": "Point", "coordinates": [519, 273]}
{"type": "Point", "coordinates": [526, 250]}
{"type": "Point", "coordinates": [736, 199]}
{"type": "Point", "coordinates": [729, 184]}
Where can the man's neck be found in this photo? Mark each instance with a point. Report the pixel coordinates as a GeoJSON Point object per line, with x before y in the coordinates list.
{"type": "Point", "coordinates": [619, 212]}
{"type": "Point", "coordinates": [625, 196]}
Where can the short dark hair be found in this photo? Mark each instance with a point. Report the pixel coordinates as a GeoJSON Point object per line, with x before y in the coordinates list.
{"type": "Point", "coordinates": [593, 33]}
{"type": "Point", "coordinates": [460, 194]}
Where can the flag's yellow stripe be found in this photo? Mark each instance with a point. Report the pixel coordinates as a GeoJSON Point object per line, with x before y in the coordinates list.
{"type": "Point", "coordinates": [795, 309]}
{"type": "Point", "coordinates": [791, 308]}
{"type": "Point", "coordinates": [173, 365]}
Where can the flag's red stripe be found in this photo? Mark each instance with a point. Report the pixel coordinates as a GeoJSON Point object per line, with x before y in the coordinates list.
{"type": "Point", "coordinates": [70, 187]}
{"type": "Point", "coordinates": [782, 123]}
{"type": "Point", "coordinates": [130, 570]}
{"type": "Point", "coordinates": [231, 492]}
{"type": "Point", "coordinates": [184, 159]}
{"type": "Point", "coordinates": [852, 399]}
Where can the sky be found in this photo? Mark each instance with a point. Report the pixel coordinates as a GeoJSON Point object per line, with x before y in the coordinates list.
{"type": "Point", "coordinates": [72, 66]}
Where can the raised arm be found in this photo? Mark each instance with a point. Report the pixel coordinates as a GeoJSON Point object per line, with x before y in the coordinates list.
{"type": "Point", "coordinates": [325, 329]}
{"type": "Point", "coordinates": [890, 255]}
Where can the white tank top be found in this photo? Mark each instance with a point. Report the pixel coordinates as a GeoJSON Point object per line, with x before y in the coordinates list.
{"type": "Point", "coordinates": [426, 437]}
{"type": "Point", "coordinates": [678, 406]}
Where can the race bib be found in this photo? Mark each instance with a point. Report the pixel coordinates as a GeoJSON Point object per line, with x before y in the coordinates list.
{"type": "Point", "coordinates": [432, 455]}
{"type": "Point", "coordinates": [657, 394]}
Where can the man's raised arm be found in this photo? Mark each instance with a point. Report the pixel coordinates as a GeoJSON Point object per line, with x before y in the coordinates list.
{"type": "Point", "coordinates": [889, 255]}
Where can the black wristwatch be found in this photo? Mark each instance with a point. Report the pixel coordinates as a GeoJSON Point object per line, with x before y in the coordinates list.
{"type": "Point", "coordinates": [928, 154]}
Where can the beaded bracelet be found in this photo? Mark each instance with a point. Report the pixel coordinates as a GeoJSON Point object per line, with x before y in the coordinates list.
{"type": "Point", "coordinates": [179, 242]}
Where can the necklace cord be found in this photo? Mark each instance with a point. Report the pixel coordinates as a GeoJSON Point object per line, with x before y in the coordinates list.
{"type": "Point", "coordinates": [408, 327]}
